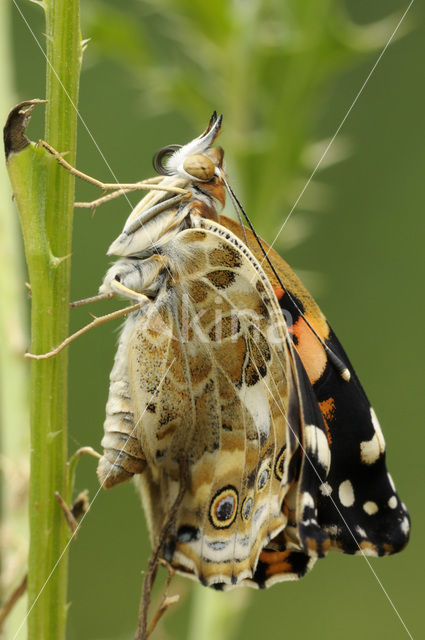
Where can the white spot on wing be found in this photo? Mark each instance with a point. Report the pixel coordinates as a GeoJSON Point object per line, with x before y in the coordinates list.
{"type": "Point", "coordinates": [346, 493]}
{"type": "Point", "coordinates": [370, 507]}
{"type": "Point", "coordinates": [367, 551]}
{"type": "Point", "coordinates": [405, 526]}
{"type": "Point", "coordinates": [333, 530]}
{"type": "Point", "coordinates": [257, 403]}
{"type": "Point", "coordinates": [308, 500]}
{"type": "Point", "coordinates": [317, 443]}
{"type": "Point", "coordinates": [361, 532]}
{"type": "Point", "coordinates": [370, 450]}
{"type": "Point", "coordinates": [391, 481]}
{"type": "Point", "coordinates": [392, 502]}
{"type": "Point", "coordinates": [325, 489]}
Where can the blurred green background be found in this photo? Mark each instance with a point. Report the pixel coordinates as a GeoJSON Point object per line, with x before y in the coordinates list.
{"type": "Point", "coordinates": [284, 73]}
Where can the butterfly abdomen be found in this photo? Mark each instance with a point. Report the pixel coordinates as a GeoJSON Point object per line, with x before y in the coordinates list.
{"type": "Point", "coordinates": [122, 453]}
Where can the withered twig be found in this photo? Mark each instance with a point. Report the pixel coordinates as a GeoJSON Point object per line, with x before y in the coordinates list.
{"type": "Point", "coordinates": [13, 599]}
{"type": "Point", "coordinates": [150, 575]}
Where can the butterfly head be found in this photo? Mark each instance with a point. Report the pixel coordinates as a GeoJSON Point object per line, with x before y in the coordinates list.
{"type": "Point", "coordinates": [196, 171]}
{"type": "Point", "coordinates": [195, 160]}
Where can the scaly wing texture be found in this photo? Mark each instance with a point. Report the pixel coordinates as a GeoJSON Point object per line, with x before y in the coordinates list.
{"type": "Point", "coordinates": [358, 505]}
{"type": "Point", "coordinates": [286, 460]}
{"type": "Point", "coordinates": [211, 379]}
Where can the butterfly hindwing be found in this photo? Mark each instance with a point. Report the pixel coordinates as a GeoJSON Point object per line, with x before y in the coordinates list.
{"type": "Point", "coordinates": [210, 376]}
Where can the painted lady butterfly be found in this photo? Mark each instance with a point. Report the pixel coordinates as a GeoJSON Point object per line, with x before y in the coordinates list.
{"type": "Point", "coordinates": [255, 450]}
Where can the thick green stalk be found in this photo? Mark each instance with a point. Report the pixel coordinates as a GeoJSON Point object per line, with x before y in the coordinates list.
{"type": "Point", "coordinates": [44, 194]}
{"type": "Point", "coordinates": [214, 616]}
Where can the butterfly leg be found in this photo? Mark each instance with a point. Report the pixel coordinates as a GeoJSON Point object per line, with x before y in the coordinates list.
{"type": "Point", "coordinates": [118, 188]}
{"type": "Point", "coordinates": [142, 629]}
{"type": "Point", "coordinates": [93, 204]}
{"type": "Point", "coordinates": [83, 301]}
{"type": "Point", "coordinates": [95, 323]}
{"type": "Point", "coordinates": [69, 167]}
{"type": "Point", "coordinates": [94, 181]}
{"type": "Point", "coordinates": [137, 280]}
{"type": "Point", "coordinates": [117, 281]}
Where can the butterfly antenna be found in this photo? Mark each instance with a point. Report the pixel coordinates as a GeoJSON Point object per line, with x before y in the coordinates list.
{"type": "Point", "coordinates": [237, 207]}
{"type": "Point", "coordinates": [339, 365]}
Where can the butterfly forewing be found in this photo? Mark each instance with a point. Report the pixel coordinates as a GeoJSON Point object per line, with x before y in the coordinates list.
{"type": "Point", "coordinates": [357, 506]}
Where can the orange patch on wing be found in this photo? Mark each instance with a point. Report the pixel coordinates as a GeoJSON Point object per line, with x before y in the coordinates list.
{"type": "Point", "coordinates": [276, 561]}
{"type": "Point", "coordinates": [388, 548]}
{"type": "Point", "coordinates": [365, 545]}
{"type": "Point", "coordinates": [311, 352]}
{"type": "Point", "coordinates": [315, 547]}
{"type": "Point", "coordinates": [279, 292]}
{"type": "Point", "coordinates": [327, 407]}
{"type": "Point", "coordinates": [291, 282]}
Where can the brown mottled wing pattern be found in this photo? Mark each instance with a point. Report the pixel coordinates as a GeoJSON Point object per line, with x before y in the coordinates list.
{"type": "Point", "coordinates": [210, 376]}
{"type": "Point", "coordinates": [221, 396]}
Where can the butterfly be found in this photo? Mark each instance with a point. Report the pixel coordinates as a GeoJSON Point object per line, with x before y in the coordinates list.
{"type": "Point", "coordinates": [231, 402]}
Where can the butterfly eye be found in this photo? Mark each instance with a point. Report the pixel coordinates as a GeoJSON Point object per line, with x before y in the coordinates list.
{"type": "Point", "coordinates": [158, 159]}
{"type": "Point", "coordinates": [279, 464]}
{"type": "Point", "coordinates": [199, 166]}
{"type": "Point", "coordinates": [247, 508]}
{"type": "Point", "coordinates": [263, 478]}
{"type": "Point", "coordinates": [223, 508]}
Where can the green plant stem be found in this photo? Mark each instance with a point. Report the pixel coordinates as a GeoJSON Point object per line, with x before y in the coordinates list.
{"type": "Point", "coordinates": [214, 616]}
{"type": "Point", "coordinates": [50, 321]}
{"type": "Point", "coordinates": [44, 194]}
